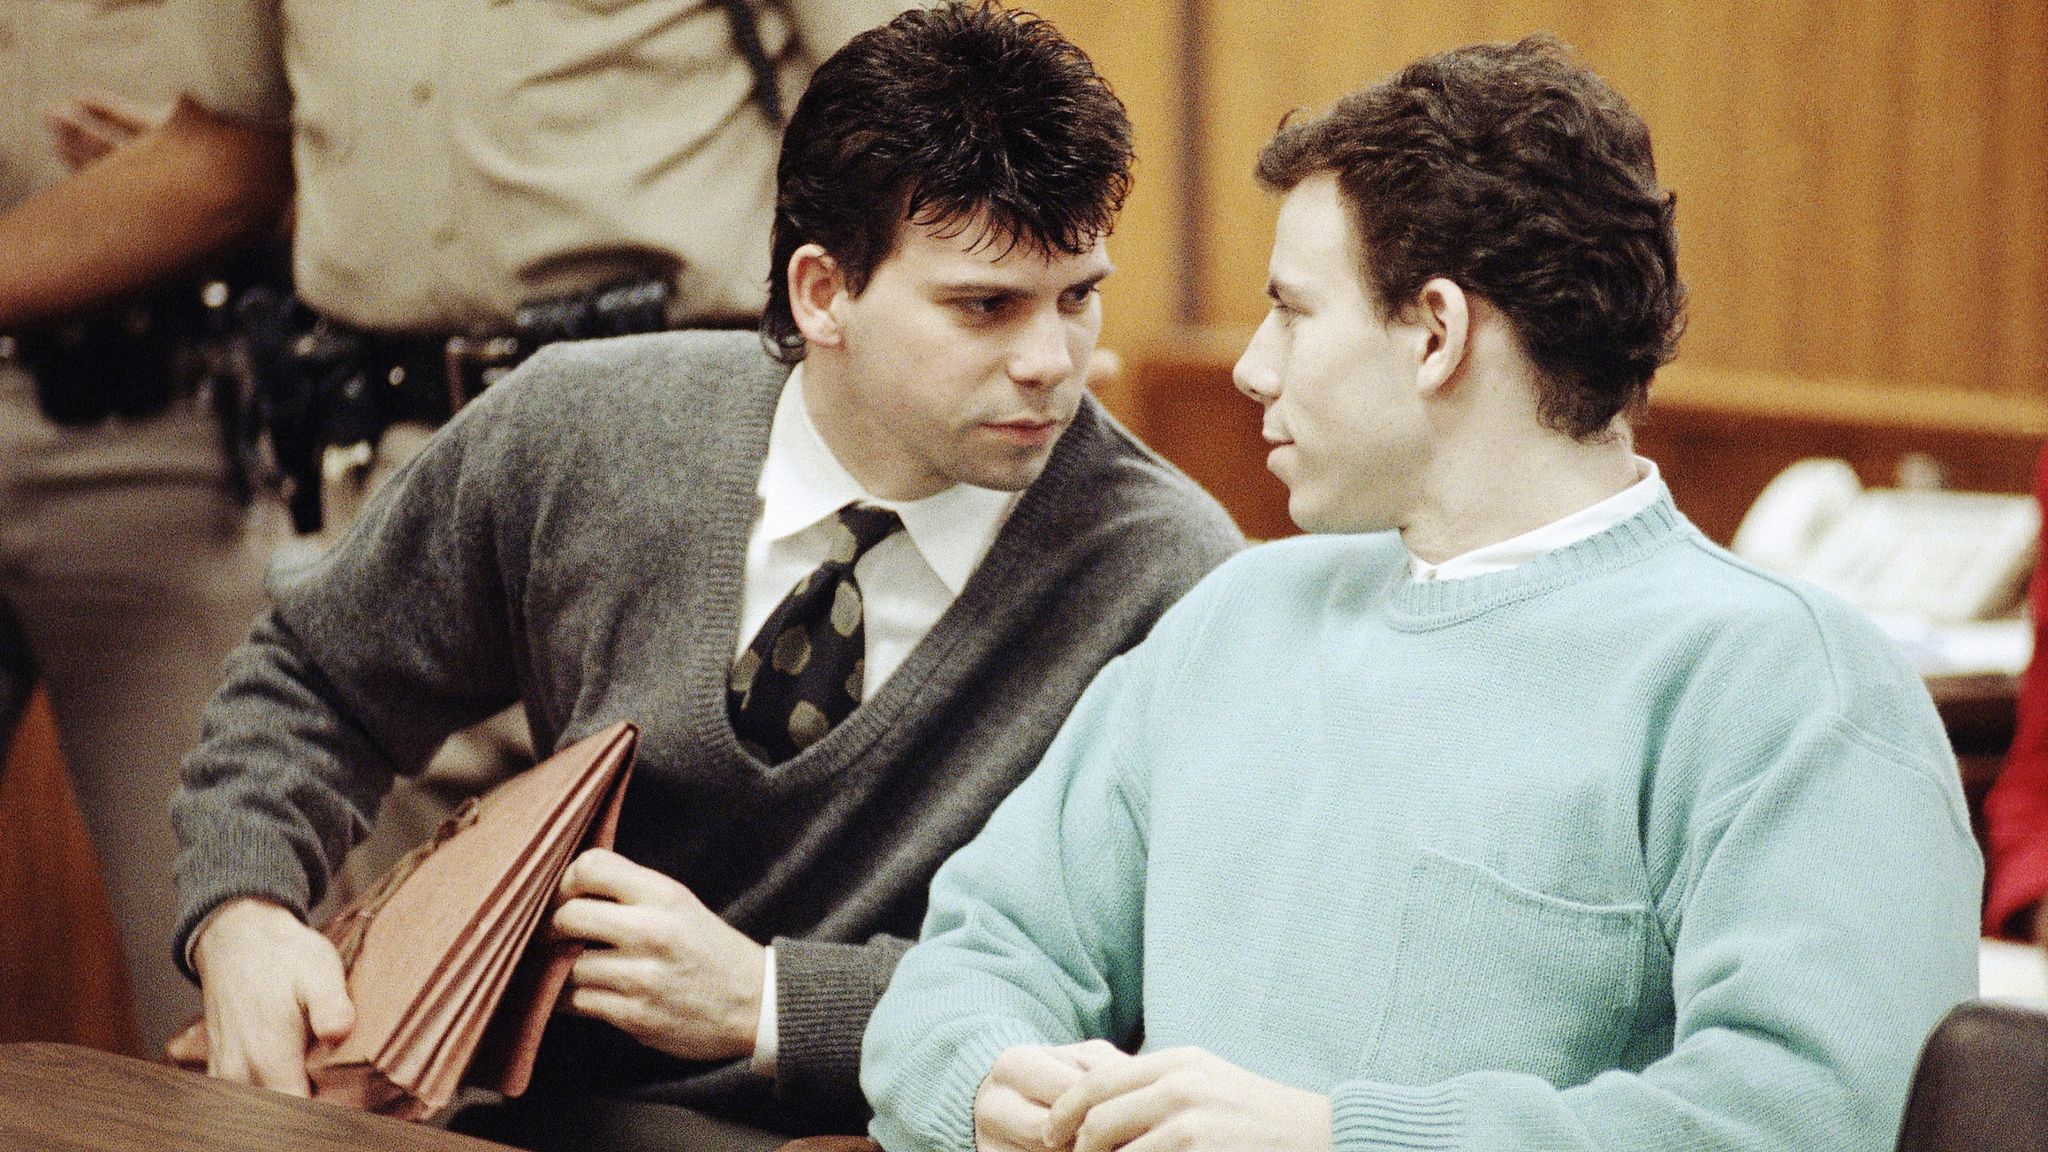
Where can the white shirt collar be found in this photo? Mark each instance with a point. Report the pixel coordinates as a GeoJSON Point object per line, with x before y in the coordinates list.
{"type": "Point", "coordinates": [802, 482]}
{"type": "Point", "coordinates": [1515, 551]}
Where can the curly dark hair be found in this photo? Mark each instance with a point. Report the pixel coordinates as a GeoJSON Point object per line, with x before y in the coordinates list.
{"type": "Point", "coordinates": [965, 115]}
{"type": "Point", "coordinates": [1527, 181]}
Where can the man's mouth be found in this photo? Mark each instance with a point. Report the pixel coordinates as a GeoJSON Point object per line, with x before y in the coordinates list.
{"type": "Point", "coordinates": [1030, 431]}
{"type": "Point", "coordinates": [1274, 444]}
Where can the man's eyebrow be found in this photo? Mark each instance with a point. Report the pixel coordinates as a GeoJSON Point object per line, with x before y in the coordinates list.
{"type": "Point", "coordinates": [975, 288]}
{"type": "Point", "coordinates": [1093, 278]}
{"type": "Point", "coordinates": [1280, 291]}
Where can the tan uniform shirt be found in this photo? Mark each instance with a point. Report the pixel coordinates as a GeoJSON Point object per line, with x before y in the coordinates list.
{"type": "Point", "coordinates": [127, 570]}
{"type": "Point", "coordinates": [456, 157]}
{"type": "Point", "coordinates": [54, 51]}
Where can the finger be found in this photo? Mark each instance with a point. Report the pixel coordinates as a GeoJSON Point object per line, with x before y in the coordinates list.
{"type": "Point", "coordinates": [74, 152]}
{"type": "Point", "coordinates": [188, 1048]}
{"type": "Point", "coordinates": [621, 1012]}
{"type": "Point", "coordinates": [78, 140]}
{"type": "Point", "coordinates": [1003, 1119]}
{"type": "Point", "coordinates": [1038, 1074]}
{"type": "Point", "coordinates": [599, 922]}
{"type": "Point", "coordinates": [1104, 1083]}
{"type": "Point", "coordinates": [330, 1014]}
{"type": "Point", "coordinates": [131, 119]}
{"type": "Point", "coordinates": [104, 135]}
{"type": "Point", "coordinates": [1089, 1055]}
{"type": "Point", "coordinates": [605, 874]}
{"type": "Point", "coordinates": [607, 971]}
{"type": "Point", "coordinates": [1166, 1137]}
{"type": "Point", "coordinates": [1117, 1121]}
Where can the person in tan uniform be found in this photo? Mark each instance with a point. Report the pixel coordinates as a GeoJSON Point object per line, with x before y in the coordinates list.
{"type": "Point", "coordinates": [128, 566]}
{"type": "Point", "coordinates": [474, 181]}
{"type": "Point", "coordinates": [453, 170]}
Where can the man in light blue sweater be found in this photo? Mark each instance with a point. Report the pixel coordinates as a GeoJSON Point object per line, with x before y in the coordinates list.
{"type": "Point", "coordinates": [1537, 823]}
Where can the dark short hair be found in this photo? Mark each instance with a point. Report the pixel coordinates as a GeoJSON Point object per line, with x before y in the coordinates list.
{"type": "Point", "coordinates": [1527, 181]}
{"type": "Point", "coordinates": [963, 114]}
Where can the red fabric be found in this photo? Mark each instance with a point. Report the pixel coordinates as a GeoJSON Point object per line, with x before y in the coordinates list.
{"type": "Point", "coordinates": [2016, 811]}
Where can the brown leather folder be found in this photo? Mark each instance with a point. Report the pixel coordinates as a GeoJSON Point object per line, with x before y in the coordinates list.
{"type": "Point", "coordinates": [446, 989]}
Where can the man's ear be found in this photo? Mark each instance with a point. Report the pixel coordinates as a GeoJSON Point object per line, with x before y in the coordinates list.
{"type": "Point", "coordinates": [1445, 313]}
{"type": "Point", "coordinates": [817, 288]}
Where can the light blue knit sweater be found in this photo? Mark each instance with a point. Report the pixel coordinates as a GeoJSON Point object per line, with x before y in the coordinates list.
{"type": "Point", "coordinates": [1633, 847]}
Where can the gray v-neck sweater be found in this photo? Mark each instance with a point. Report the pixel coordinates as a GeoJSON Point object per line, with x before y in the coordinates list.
{"type": "Point", "coordinates": [576, 540]}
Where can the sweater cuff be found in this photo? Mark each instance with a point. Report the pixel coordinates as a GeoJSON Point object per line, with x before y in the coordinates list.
{"type": "Point", "coordinates": [824, 994]}
{"type": "Point", "coordinates": [948, 1093]}
{"type": "Point", "coordinates": [239, 861]}
{"type": "Point", "coordinates": [1366, 1116]}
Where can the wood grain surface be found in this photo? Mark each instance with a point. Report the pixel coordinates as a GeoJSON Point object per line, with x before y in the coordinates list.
{"type": "Point", "coordinates": [61, 1098]}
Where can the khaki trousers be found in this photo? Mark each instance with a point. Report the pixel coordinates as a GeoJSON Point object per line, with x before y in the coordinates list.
{"type": "Point", "coordinates": [127, 573]}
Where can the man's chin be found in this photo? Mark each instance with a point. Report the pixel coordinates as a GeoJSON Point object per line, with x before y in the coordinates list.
{"type": "Point", "coordinates": [1319, 518]}
{"type": "Point", "coordinates": [1013, 474]}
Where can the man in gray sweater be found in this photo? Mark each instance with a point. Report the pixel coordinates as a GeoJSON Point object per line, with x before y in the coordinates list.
{"type": "Point", "coordinates": [642, 529]}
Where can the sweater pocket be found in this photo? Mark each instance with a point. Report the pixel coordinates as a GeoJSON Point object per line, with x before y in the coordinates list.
{"type": "Point", "coordinates": [1492, 976]}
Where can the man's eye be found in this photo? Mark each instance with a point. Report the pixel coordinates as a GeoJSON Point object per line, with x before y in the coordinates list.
{"type": "Point", "coordinates": [1075, 299]}
{"type": "Point", "coordinates": [982, 307]}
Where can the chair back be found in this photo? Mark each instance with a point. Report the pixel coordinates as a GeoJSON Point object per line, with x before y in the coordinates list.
{"type": "Point", "coordinates": [1982, 1083]}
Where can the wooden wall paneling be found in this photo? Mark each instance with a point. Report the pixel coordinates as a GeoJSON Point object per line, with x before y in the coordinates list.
{"type": "Point", "coordinates": [1183, 403]}
{"type": "Point", "coordinates": [2019, 297]}
{"type": "Point", "coordinates": [1862, 185]}
{"type": "Point", "coordinates": [61, 976]}
{"type": "Point", "coordinates": [1950, 171]}
{"type": "Point", "coordinates": [1133, 44]}
{"type": "Point", "coordinates": [1774, 57]}
{"type": "Point", "coordinates": [1701, 139]}
{"type": "Point", "coordinates": [1852, 284]}
{"type": "Point", "coordinates": [1264, 61]}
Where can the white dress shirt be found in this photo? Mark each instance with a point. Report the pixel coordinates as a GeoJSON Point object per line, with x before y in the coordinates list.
{"type": "Point", "coordinates": [906, 582]}
{"type": "Point", "coordinates": [1515, 551]}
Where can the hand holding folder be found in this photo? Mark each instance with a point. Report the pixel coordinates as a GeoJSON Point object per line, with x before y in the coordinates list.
{"type": "Point", "coordinates": [446, 989]}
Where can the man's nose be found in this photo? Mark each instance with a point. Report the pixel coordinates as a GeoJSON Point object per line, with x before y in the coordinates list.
{"type": "Point", "coordinates": [1256, 377]}
{"type": "Point", "coordinates": [1257, 373]}
{"type": "Point", "coordinates": [1042, 357]}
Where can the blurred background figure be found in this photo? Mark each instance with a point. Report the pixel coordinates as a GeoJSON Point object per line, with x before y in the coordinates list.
{"type": "Point", "coordinates": [131, 560]}
{"type": "Point", "coordinates": [466, 184]}
{"type": "Point", "coordinates": [472, 183]}
{"type": "Point", "coordinates": [2016, 811]}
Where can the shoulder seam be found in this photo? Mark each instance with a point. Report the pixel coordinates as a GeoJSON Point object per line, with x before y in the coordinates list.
{"type": "Point", "coordinates": [1802, 595]}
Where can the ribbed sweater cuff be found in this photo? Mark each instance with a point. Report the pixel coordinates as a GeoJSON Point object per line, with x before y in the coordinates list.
{"type": "Point", "coordinates": [239, 860]}
{"type": "Point", "coordinates": [1371, 1117]}
{"type": "Point", "coordinates": [824, 994]}
{"type": "Point", "coordinates": [946, 1099]}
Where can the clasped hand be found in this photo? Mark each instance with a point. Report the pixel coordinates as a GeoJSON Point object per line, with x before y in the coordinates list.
{"type": "Point", "coordinates": [1091, 1097]}
{"type": "Point", "coordinates": [659, 966]}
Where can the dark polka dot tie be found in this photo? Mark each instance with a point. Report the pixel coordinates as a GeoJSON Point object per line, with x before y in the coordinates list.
{"type": "Point", "coordinates": [802, 673]}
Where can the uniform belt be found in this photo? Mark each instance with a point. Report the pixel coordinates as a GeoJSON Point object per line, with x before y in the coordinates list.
{"type": "Point", "coordinates": [432, 377]}
{"type": "Point", "coordinates": [429, 378]}
{"type": "Point", "coordinates": [124, 359]}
